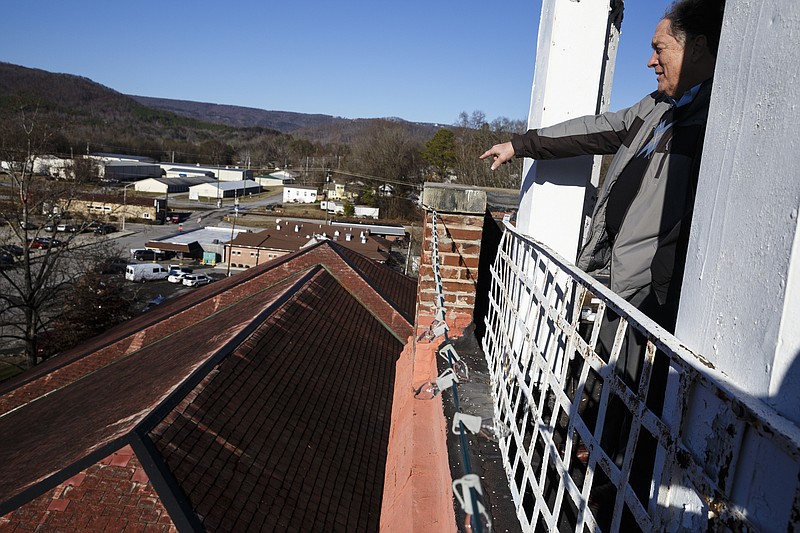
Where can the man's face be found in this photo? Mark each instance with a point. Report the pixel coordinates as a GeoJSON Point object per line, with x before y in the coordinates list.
{"type": "Point", "coordinates": [667, 60]}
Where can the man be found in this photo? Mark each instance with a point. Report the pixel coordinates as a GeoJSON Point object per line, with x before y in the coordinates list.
{"type": "Point", "coordinates": [641, 220]}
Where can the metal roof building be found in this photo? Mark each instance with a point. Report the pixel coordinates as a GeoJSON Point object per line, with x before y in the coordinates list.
{"type": "Point", "coordinates": [171, 185]}
{"type": "Point", "coordinates": [224, 189]}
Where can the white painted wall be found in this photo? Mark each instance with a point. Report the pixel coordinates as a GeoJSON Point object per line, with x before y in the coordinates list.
{"type": "Point", "coordinates": [302, 195]}
{"type": "Point", "coordinates": [741, 294]}
{"type": "Point", "coordinates": [566, 81]}
{"type": "Point", "coordinates": [740, 305]}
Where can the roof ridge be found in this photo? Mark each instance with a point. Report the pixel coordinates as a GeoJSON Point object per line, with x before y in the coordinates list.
{"type": "Point", "coordinates": [103, 359]}
{"type": "Point", "coordinates": [340, 250]}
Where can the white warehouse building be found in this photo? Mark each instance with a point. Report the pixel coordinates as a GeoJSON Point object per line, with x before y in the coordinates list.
{"type": "Point", "coordinates": [171, 185]}
{"type": "Point", "coordinates": [224, 189]}
{"type": "Point", "coordinates": [221, 173]}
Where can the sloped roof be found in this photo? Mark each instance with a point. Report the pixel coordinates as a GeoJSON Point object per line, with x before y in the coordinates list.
{"type": "Point", "coordinates": [228, 185]}
{"type": "Point", "coordinates": [264, 398]}
{"type": "Point", "coordinates": [193, 247]}
{"type": "Point", "coordinates": [286, 239]}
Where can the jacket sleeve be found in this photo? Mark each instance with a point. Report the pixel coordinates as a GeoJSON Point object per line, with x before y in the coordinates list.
{"type": "Point", "coordinates": [589, 135]}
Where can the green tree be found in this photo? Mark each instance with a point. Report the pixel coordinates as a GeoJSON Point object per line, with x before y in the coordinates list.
{"type": "Point", "coordinates": [440, 152]}
{"type": "Point", "coordinates": [349, 209]}
{"type": "Point", "coordinates": [368, 197]}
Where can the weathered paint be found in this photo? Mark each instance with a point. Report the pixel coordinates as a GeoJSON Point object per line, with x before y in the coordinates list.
{"type": "Point", "coordinates": [740, 303]}
{"type": "Point", "coordinates": [724, 458]}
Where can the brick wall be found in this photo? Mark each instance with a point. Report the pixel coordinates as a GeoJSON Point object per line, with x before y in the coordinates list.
{"type": "Point", "coordinates": [459, 226]}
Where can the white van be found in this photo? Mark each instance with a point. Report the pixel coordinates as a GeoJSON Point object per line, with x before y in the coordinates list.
{"type": "Point", "coordinates": [145, 272]}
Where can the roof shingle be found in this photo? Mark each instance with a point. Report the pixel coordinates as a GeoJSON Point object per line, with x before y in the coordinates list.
{"type": "Point", "coordinates": [261, 399]}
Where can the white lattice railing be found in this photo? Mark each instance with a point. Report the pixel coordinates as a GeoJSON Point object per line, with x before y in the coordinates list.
{"type": "Point", "coordinates": [676, 451]}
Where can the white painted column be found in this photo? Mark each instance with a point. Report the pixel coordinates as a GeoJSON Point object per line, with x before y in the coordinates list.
{"type": "Point", "coordinates": [740, 305]}
{"type": "Point", "coordinates": [572, 78]}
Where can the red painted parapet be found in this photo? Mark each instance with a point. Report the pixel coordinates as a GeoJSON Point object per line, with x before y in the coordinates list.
{"type": "Point", "coordinates": [418, 493]}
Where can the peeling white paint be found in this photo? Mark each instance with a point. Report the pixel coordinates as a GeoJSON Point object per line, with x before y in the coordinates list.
{"type": "Point", "coordinates": [740, 304]}
{"type": "Point", "coordinates": [741, 261]}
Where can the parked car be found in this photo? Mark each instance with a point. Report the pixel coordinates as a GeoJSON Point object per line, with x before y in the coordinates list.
{"type": "Point", "coordinates": [177, 218]}
{"type": "Point", "coordinates": [104, 229]}
{"type": "Point", "coordinates": [147, 255]}
{"type": "Point", "coordinates": [145, 272]}
{"type": "Point", "coordinates": [6, 260]}
{"type": "Point", "coordinates": [69, 228]}
{"type": "Point", "coordinates": [195, 280]}
{"type": "Point", "coordinates": [177, 273]}
{"type": "Point", "coordinates": [39, 243]}
{"type": "Point", "coordinates": [175, 269]}
{"type": "Point", "coordinates": [177, 277]}
{"type": "Point", "coordinates": [11, 249]}
{"type": "Point", "coordinates": [51, 242]}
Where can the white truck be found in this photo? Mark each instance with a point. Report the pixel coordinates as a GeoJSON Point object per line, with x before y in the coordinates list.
{"type": "Point", "coordinates": [145, 272]}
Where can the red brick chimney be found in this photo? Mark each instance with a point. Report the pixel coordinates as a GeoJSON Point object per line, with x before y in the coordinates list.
{"type": "Point", "coordinates": [418, 487]}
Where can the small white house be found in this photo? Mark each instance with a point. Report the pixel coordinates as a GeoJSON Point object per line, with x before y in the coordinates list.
{"type": "Point", "coordinates": [299, 194]}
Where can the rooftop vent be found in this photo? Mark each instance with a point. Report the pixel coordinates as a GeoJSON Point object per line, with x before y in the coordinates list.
{"type": "Point", "coordinates": [348, 237]}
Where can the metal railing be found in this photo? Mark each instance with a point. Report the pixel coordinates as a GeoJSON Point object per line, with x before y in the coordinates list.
{"type": "Point", "coordinates": [593, 448]}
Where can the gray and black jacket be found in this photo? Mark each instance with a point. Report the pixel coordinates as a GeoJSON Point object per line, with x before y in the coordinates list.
{"type": "Point", "coordinates": [650, 247]}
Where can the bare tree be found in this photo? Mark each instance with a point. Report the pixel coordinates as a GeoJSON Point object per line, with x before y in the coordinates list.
{"type": "Point", "coordinates": [390, 151]}
{"type": "Point", "coordinates": [45, 267]}
{"type": "Point", "coordinates": [474, 136]}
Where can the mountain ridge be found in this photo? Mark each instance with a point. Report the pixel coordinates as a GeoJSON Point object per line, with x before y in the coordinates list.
{"type": "Point", "coordinates": [239, 116]}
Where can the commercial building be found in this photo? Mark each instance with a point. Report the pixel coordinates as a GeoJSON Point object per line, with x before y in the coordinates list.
{"type": "Point", "coordinates": [171, 185]}
{"type": "Point", "coordinates": [224, 189]}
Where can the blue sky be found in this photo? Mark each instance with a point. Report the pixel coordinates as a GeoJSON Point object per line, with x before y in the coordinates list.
{"type": "Point", "coordinates": [420, 60]}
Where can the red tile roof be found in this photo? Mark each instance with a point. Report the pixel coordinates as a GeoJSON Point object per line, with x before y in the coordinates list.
{"type": "Point", "coordinates": [92, 500]}
{"type": "Point", "coordinates": [262, 397]}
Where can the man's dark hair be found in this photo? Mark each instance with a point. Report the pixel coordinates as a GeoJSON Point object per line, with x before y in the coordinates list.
{"type": "Point", "coordinates": [691, 18]}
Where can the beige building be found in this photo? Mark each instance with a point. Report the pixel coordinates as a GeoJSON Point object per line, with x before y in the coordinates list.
{"type": "Point", "coordinates": [109, 207]}
{"type": "Point", "coordinates": [338, 191]}
{"type": "Point", "coordinates": [251, 249]}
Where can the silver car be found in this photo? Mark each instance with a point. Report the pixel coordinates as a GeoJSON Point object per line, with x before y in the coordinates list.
{"type": "Point", "coordinates": [195, 280]}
